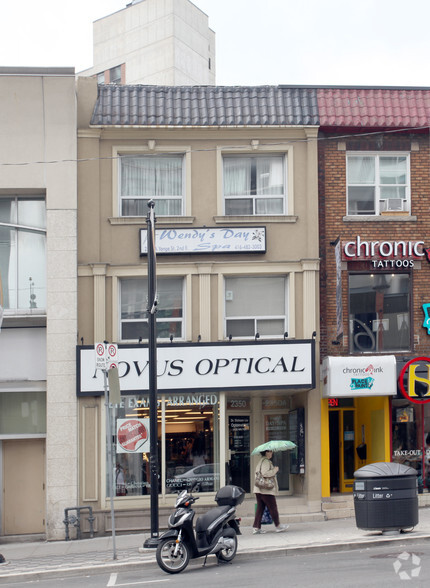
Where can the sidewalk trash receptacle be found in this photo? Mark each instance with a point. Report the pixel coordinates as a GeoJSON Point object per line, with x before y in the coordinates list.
{"type": "Point", "coordinates": [385, 497]}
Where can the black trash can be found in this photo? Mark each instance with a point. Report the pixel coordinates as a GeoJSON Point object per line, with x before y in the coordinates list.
{"type": "Point", "coordinates": [385, 497]}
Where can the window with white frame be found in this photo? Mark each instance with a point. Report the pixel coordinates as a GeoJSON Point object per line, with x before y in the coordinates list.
{"type": "Point", "coordinates": [22, 253]}
{"type": "Point", "coordinates": [151, 177]}
{"type": "Point", "coordinates": [254, 184]}
{"type": "Point", "coordinates": [170, 308]}
{"type": "Point", "coordinates": [256, 304]}
{"type": "Point", "coordinates": [378, 183]}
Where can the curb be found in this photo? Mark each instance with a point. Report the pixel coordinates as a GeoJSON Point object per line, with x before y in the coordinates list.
{"type": "Point", "coordinates": [115, 565]}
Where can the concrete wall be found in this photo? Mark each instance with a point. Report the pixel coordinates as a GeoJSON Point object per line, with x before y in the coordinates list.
{"type": "Point", "coordinates": [164, 42]}
{"type": "Point", "coordinates": [38, 122]}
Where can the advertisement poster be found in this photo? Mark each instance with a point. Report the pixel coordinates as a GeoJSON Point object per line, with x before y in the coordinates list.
{"type": "Point", "coordinates": [132, 435]}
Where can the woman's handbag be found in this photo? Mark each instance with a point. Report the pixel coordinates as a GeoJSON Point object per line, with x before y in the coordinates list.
{"type": "Point", "coordinates": [262, 482]}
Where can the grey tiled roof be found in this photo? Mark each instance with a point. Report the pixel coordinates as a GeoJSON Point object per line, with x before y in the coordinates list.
{"type": "Point", "coordinates": [205, 106]}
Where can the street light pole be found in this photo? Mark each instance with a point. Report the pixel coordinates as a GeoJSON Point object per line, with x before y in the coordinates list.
{"type": "Point", "coordinates": [152, 357]}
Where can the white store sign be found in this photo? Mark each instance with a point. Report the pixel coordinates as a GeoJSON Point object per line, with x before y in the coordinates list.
{"type": "Point", "coordinates": [347, 377]}
{"type": "Point", "coordinates": [206, 240]}
{"type": "Point", "coordinates": [206, 366]}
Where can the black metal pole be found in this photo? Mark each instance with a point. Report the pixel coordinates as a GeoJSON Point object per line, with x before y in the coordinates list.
{"type": "Point", "coordinates": [152, 350]}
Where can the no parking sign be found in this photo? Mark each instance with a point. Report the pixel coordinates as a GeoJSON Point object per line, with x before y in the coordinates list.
{"type": "Point", "coordinates": [106, 356]}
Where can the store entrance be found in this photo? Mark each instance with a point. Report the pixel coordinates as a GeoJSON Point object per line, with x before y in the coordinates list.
{"type": "Point", "coordinates": [239, 450]}
{"type": "Point", "coordinates": [342, 444]}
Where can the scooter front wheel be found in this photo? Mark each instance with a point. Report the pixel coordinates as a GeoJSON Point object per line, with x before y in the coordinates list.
{"type": "Point", "coordinates": [173, 557]}
{"type": "Point", "coordinates": [228, 553]}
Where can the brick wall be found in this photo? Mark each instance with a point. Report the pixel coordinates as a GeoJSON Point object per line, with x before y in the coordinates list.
{"type": "Point", "coordinates": [332, 210]}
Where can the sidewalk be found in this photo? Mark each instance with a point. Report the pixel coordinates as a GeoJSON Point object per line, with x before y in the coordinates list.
{"type": "Point", "coordinates": [39, 560]}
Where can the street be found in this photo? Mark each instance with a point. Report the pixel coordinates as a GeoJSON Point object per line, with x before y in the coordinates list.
{"type": "Point", "coordinates": [384, 566]}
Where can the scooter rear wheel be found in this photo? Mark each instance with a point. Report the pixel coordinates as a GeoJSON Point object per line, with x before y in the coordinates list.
{"type": "Point", "coordinates": [169, 561]}
{"type": "Point", "coordinates": [229, 553]}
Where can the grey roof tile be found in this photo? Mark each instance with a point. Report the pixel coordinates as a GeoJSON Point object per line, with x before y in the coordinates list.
{"type": "Point", "coordinates": [205, 106]}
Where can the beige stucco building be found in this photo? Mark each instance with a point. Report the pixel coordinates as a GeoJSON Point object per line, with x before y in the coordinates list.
{"type": "Point", "coordinates": [233, 174]}
{"type": "Point", "coordinates": [38, 292]}
{"type": "Point", "coordinates": [154, 42]}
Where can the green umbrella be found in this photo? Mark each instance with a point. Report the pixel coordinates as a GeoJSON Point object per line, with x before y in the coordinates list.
{"type": "Point", "coordinates": [275, 445]}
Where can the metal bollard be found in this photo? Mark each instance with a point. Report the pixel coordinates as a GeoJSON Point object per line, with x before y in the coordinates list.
{"type": "Point", "coordinates": [75, 520]}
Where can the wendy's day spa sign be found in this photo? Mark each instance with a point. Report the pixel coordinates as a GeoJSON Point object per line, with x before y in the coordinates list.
{"type": "Point", "coordinates": [205, 366]}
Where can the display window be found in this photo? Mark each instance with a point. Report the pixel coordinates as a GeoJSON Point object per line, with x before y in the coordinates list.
{"type": "Point", "coordinates": [411, 438]}
{"type": "Point", "coordinates": [188, 444]}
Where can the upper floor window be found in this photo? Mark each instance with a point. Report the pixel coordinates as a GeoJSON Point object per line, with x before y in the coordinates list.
{"type": "Point", "coordinates": [254, 185]}
{"type": "Point", "coordinates": [255, 304]}
{"type": "Point", "coordinates": [170, 313]}
{"type": "Point", "coordinates": [378, 183]}
{"type": "Point", "coordinates": [115, 75]}
{"type": "Point", "coordinates": [380, 311]}
{"type": "Point", "coordinates": [22, 253]}
{"type": "Point", "coordinates": [151, 177]}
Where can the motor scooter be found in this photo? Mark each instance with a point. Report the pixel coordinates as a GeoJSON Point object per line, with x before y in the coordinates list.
{"type": "Point", "coordinates": [215, 531]}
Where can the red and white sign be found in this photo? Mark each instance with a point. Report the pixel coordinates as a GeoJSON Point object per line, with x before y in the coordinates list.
{"type": "Point", "coordinates": [106, 356]}
{"type": "Point", "coordinates": [132, 435]}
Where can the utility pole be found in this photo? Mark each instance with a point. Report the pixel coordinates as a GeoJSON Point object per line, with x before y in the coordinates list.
{"type": "Point", "coordinates": [152, 357]}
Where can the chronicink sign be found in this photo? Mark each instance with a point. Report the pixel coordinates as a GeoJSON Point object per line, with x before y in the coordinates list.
{"type": "Point", "coordinates": [385, 254]}
{"type": "Point", "coordinates": [349, 376]}
{"type": "Point", "coordinates": [206, 240]}
{"type": "Point", "coordinates": [206, 367]}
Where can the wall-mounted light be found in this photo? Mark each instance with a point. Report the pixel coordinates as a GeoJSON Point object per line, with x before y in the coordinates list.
{"type": "Point", "coordinates": [285, 335]}
{"type": "Point", "coordinates": [257, 336]}
{"type": "Point", "coordinates": [171, 338]}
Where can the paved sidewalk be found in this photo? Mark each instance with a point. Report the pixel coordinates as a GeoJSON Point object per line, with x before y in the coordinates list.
{"type": "Point", "coordinates": [38, 560]}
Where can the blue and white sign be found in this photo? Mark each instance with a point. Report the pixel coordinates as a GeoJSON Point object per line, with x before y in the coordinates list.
{"type": "Point", "coordinates": [206, 240]}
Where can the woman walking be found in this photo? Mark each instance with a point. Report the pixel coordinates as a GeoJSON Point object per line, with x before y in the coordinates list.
{"type": "Point", "coordinates": [266, 496]}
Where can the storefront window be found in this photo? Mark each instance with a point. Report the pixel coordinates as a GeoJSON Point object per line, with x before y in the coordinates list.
{"type": "Point", "coordinates": [188, 444]}
{"type": "Point", "coordinates": [276, 427]}
{"type": "Point", "coordinates": [379, 312]}
{"type": "Point", "coordinates": [411, 438]}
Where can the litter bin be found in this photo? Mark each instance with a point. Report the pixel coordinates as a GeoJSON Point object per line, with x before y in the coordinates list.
{"type": "Point", "coordinates": [385, 497]}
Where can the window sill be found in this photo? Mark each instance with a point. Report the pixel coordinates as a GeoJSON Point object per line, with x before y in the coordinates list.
{"type": "Point", "coordinates": [23, 320]}
{"type": "Point", "coordinates": [161, 220]}
{"type": "Point", "coordinates": [379, 218]}
{"type": "Point", "coordinates": [256, 219]}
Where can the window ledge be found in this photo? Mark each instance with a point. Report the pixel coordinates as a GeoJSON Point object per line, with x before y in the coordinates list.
{"type": "Point", "coordinates": [161, 220]}
{"type": "Point", "coordinates": [381, 218]}
{"type": "Point", "coordinates": [256, 219]}
{"type": "Point", "coordinates": [22, 320]}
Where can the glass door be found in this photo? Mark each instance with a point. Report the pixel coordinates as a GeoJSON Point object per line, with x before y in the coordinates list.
{"type": "Point", "coordinates": [342, 449]}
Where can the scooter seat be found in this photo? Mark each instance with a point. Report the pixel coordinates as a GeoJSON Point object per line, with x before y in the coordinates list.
{"type": "Point", "coordinates": [209, 517]}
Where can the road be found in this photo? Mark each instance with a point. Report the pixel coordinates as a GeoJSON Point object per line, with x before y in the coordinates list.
{"type": "Point", "coordinates": [383, 566]}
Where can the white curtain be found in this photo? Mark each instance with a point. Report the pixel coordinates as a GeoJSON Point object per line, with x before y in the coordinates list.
{"type": "Point", "coordinates": [151, 176]}
{"type": "Point", "coordinates": [237, 176]}
{"type": "Point", "coordinates": [270, 175]}
{"type": "Point", "coordinates": [361, 170]}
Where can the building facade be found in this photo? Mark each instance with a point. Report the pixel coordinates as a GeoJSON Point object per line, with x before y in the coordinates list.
{"type": "Point", "coordinates": [38, 293]}
{"type": "Point", "coordinates": [233, 174]}
{"type": "Point", "coordinates": [153, 42]}
{"type": "Point", "coordinates": [374, 233]}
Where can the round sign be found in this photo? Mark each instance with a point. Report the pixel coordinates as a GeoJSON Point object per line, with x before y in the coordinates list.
{"type": "Point", "coordinates": [100, 350]}
{"type": "Point", "coordinates": [112, 350]}
{"type": "Point", "coordinates": [402, 384]}
{"type": "Point", "coordinates": [132, 434]}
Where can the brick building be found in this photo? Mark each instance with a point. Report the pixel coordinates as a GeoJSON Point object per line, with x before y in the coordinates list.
{"type": "Point", "coordinates": [374, 185]}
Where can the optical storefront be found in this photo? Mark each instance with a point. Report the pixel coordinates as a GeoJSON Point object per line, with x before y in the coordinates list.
{"type": "Point", "coordinates": [205, 432]}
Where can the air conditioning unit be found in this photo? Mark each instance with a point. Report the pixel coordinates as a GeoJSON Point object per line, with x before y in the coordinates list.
{"type": "Point", "coordinates": [391, 204]}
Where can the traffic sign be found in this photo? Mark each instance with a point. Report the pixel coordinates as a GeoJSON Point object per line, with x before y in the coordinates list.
{"type": "Point", "coordinates": [101, 356]}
